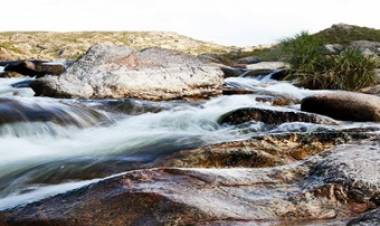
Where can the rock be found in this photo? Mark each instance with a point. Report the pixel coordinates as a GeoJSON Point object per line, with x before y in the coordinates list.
{"type": "Point", "coordinates": [367, 219]}
{"type": "Point", "coordinates": [347, 106]}
{"type": "Point", "coordinates": [249, 60]}
{"type": "Point", "coordinates": [328, 188]}
{"type": "Point", "coordinates": [108, 71]}
{"type": "Point", "coordinates": [236, 91]}
{"type": "Point", "coordinates": [15, 111]}
{"type": "Point", "coordinates": [273, 66]}
{"type": "Point", "coordinates": [334, 48]}
{"type": "Point", "coordinates": [210, 58]}
{"type": "Point", "coordinates": [368, 48]}
{"type": "Point", "coordinates": [267, 151]}
{"type": "Point", "coordinates": [352, 173]}
{"type": "Point", "coordinates": [275, 100]}
{"type": "Point", "coordinates": [232, 71]}
{"type": "Point", "coordinates": [271, 116]}
{"type": "Point", "coordinates": [35, 68]}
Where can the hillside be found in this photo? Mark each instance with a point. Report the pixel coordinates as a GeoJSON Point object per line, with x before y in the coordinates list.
{"type": "Point", "coordinates": [345, 34]}
{"type": "Point", "coordinates": [53, 45]}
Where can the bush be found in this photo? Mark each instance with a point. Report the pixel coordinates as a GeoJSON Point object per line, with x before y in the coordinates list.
{"type": "Point", "coordinates": [314, 68]}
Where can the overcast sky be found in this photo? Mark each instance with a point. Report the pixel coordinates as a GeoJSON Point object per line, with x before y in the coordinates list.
{"type": "Point", "coordinates": [237, 22]}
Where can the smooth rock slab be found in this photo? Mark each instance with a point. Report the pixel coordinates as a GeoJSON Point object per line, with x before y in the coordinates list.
{"type": "Point", "coordinates": [320, 188]}
{"type": "Point", "coordinates": [348, 106]}
{"type": "Point", "coordinates": [108, 71]}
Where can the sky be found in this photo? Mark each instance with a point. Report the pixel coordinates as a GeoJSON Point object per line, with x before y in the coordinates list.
{"type": "Point", "coordinates": [229, 22]}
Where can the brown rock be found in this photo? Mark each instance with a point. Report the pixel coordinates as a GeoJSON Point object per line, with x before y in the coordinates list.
{"type": "Point", "coordinates": [35, 68]}
{"type": "Point", "coordinates": [271, 116]}
{"type": "Point", "coordinates": [324, 187]}
{"type": "Point", "coordinates": [348, 106]}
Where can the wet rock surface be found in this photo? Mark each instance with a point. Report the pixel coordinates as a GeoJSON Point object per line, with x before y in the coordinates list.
{"type": "Point", "coordinates": [302, 191]}
{"type": "Point", "coordinates": [347, 106]}
{"type": "Point", "coordinates": [271, 116]}
{"type": "Point", "coordinates": [119, 72]}
{"type": "Point", "coordinates": [367, 219]}
{"type": "Point", "coordinates": [17, 111]}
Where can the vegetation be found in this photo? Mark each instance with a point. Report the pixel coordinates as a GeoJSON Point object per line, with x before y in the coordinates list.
{"type": "Point", "coordinates": [345, 34]}
{"type": "Point", "coordinates": [314, 68]}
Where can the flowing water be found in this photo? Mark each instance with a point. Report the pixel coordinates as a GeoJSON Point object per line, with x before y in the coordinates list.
{"type": "Point", "coordinates": [50, 146]}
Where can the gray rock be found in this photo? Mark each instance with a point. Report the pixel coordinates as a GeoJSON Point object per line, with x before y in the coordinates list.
{"type": "Point", "coordinates": [368, 48]}
{"type": "Point", "coordinates": [354, 167]}
{"type": "Point", "coordinates": [368, 219]}
{"type": "Point", "coordinates": [334, 48]}
{"type": "Point", "coordinates": [348, 106]}
{"type": "Point", "coordinates": [108, 71]}
{"type": "Point", "coordinates": [232, 71]}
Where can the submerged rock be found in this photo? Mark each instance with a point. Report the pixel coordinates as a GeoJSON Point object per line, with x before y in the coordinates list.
{"type": "Point", "coordinates": [35, 68]}
{"type": "Point", "coordinates": [15, 111]}
{"type": "Point", "coordinates": [271, 116]}
{"type": "Point", "coordinates": [108, 71]}
{"type": "Point", "coordinates": [348, 106]}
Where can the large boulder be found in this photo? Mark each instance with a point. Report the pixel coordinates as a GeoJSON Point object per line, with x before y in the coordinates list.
{"type": "Point", "coordinates": [271, 116]}
{"type": "Point", "coordinates": [348, 106]}
{"type": "Point", "coordinates": [109, 71]}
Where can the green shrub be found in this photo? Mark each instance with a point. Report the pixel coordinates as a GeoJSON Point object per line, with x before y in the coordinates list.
{"type": "Point", "coordinates": [314, 68]}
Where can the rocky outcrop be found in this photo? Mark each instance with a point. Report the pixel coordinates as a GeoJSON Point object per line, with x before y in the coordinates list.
{"type": "Point", "coordinates": [35, 68]}
{"type": "Point", "coordinates": [348, 106]}
{"type": "Point", "coordinates": [108, 71]}
{"type": "Point", "coordinates": [331, 187]}
{"type": "Point", "coordinates": [271, 116]}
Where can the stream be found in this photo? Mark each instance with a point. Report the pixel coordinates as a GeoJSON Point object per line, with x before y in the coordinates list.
{"type": "Point", "coordinates": [50, 146]}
